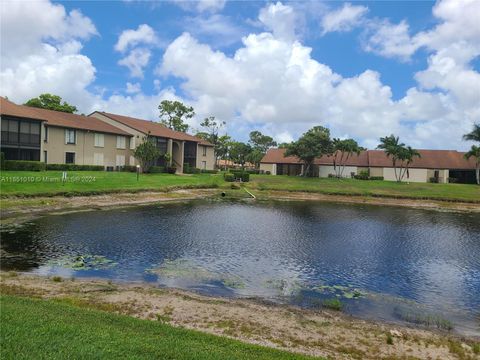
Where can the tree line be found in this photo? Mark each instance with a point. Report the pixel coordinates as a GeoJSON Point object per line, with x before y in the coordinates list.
{"type": "Point", "coordinates": [313, 144]}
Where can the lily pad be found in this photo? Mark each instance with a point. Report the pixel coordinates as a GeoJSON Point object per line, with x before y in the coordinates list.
{"type": "Point", "coordinates": [84, 262]}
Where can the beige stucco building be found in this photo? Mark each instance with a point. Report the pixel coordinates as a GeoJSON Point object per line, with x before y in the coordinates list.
{"type": "Point", "coordinates": [102, 139]}
{"type": "Point", "coordinates": [434, 165]}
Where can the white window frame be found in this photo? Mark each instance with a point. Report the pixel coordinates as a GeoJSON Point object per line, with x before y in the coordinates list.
{"type": "Point", "coordinates": [99, 140]}
{"type": "Point", "coordinates": [120, 163]}
{"type": "Point", "coordinates": [132, 143]}
{"type": "Point", "coordinates": [121, 142]}
{"type": "Point", "coordinates": [97, 157]}
{"type": "Point", "coordinates": [68, 136]}
{"type": "Point", "coordinates": [204, 151]}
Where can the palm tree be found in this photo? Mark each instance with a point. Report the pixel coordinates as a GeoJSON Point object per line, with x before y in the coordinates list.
{"type": "Point", "coordinates": [475, 152]}
{"type": "Point", "coordinates": [343, 149]}
{"type": "Point", "coordinates": [406, 155]}
{"type": "Point", "coordinates": [474, 135]}
{"type": "Point", "coordinates": [392, 147]}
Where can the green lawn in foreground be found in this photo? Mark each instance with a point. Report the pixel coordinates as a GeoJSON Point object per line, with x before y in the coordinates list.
{"type": "Point", "coordinates": [45, 329]}
{"type": "Point", "coordinates": [466, 192]}
{"type": "Point", "coordinates": [102, 181]}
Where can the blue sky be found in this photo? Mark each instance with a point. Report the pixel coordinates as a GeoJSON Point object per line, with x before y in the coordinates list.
{"type": "Point", "coordinates": [363, 69]}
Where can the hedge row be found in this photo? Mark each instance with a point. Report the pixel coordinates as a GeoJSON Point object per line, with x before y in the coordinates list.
{"type": "Point", "coordinates": [21, 165]}
{"type": "Point", "coordinates": [233, 175]}
{"type": "Point", "coordinates": [73, 167]}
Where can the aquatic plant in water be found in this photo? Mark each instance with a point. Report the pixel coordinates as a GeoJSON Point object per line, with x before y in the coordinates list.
{"type": "Point", "coordinates": [286, 287]}
{"type": "Point", "coordinates": [425, 319]}
{"type": "Point", "coordinates": [84, 262]}
{"type": "Point", "coordinates": [340, 291]}
{"type": "Point", "coordinates": [185, 269]}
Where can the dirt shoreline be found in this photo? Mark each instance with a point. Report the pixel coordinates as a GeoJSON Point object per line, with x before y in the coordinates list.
{"type": "Point", "coordinates": [16, 209]}
{"type": "Point", "coordinates": [320, 333]}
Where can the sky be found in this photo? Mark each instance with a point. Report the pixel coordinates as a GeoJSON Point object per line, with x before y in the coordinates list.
{"type": "Point", "coordinates": [364, 69]}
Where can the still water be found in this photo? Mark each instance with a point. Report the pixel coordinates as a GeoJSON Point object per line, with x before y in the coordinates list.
{"type": "Point", "coordinates": [383, 263]}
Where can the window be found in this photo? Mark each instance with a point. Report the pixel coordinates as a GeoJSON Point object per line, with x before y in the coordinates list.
{"type": "Point", "coordinates": [120, 142]}
{"type": "Point", "coordinates": [98, 159]}
{"type": "Point", "coordinates": [99, 140]}
{"type": "Point", "coordinates": [132, 143]}
{"type": "Point", "coordinates": [120, 161]}
{"type": "Point", "coordinates": [204, 165]}
{"type": "Point", "coordinates": [70, 137]}
{"type": "Point", "coordinates": [70, 158]}
{"type": "Point", "coordinates": [204, 151]}
{"type": "Point", "coordinates": [45, 135]}
{"type": "Point", "coordinates": [45, 156]}
{"type": "Point", "coordinates": [132, 161]}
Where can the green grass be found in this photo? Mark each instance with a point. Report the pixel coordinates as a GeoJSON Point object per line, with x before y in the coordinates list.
{"type": "Point", "coordinates": [453, 192]}
{"type": "Point", "coordinates": [39, 183]}
{"type": "Point", "coordinates": [46, 329]}
{"type": "Point", "coordinates": [111, 182]}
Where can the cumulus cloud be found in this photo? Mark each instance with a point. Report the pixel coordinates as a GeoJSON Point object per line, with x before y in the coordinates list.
{"type": "Point", "coordinates": [272, 82]}
{"type": "Point", "coordinates": [136, 60]}
{"type": "Point", "coordinates": [133, 88]}
{"type": "Point", "coordinates": [343, 19]}
{"type": "Point", "coordinates": [130, 38]}
{"type": "Point", "coordinates": [280, 20]}
{"type": "Point", "coordinates": [44, 44]}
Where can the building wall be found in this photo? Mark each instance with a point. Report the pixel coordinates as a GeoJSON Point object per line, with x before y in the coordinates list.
{"type": "Point", "coordinates": [325, 170]}
{"type": "Point", "coordinates": [269, 167]}
{"type": "Point", "coordinates": [207, 161]}
{"type": "Point", "coordinates": [442, 175]}
{"type": "Point", "coordinates": [375, 171]}
{"type": "Point", "coordinates": [416, 175]}
{"type": "Point", "coordinates": [84, 148]}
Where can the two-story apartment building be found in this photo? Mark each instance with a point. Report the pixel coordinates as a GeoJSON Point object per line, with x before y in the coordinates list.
{"type": "Point", "coordinates": [60, 138]}
{"type": "Point", "coordinates": [183, 148]}
{"type": "Point", "coordinates": [103, 139]}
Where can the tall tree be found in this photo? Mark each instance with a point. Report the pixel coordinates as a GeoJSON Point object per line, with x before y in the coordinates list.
{"type": "Point", "coordinates": [474, 135]}
{"type": "Point", "coordinates": [173, 115]}
{"type": "Point", "coordinates": [51, 102]}
{"type": "Point", "coordinates": [212, 128]}
{"type": "Point", "coordinates": [406, 156]}
{"type": "Point", "coordinates": [239, 152]}
{"type": "Point", "coordinates": [343, 150]}
{"type": "Point", "coordinates": [224, 143]}
{"type": "Point", "coordinates": [314, 143]}
{"type": "Point", "coordinates": [260, 144]}
{"type": "Point", "coordinates": [392, 147]}
{"type": "Point", "coordinates": [146, 153]}
{"type": "Point", "coordinates": [475, 152]}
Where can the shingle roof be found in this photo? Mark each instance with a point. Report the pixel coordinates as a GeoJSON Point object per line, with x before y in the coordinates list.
{"type": "Point", "coordinates": [154, 128]}
{"type": "Point", "coordinates": [57, 118]}
{"type": "Point", "coordinates": [430, 159]}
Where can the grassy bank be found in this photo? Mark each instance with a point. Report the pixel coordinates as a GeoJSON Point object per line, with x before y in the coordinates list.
{"type": "Point", "coordinates": [449, 192]}
{"type": "Point", "coordinates": [23, 183]}
{"type": "Point", "coordinates": [47, 329]}
{"type": "Point", "coordinates": [28, 183]}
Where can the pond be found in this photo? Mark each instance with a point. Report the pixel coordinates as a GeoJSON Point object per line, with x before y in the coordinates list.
{"type": "Point", "coordinates": [382, 263]}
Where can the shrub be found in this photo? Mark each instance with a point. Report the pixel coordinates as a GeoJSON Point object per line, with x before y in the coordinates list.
{"type": "Point", "coordinates": [389, 339]}
{"type": "Point", "coordinates": [2, 161]}
{"type": "Point", "coordinates": [129, 168]}
{"type": "Point", "coordinates": [332, 175]}
{"type": "Point", "coordinates": [73, 167]}
{"type": "Point", "coordinates": [376, 178]}
{"type": "Point", "coordinates": [187, 169]}
{"type": "Point", "coordinates": [21, 165]}
{"type": "Point", "coordinates": [268, 172]}
{"type": "Point", "coordinates": [245, 177]}
{"type": "Point", "coordinates": [205, 171]}
{"type": "Point", "coordinates": [157, 169]}
{"type": "Point", "coordinates": [229, 177]}
{"type": "Point", "coordinates": [254, 171]}
{"type": "Point", "coordinates": [362, 175]}
{"type": "Point", "coordinates": [171, 169]}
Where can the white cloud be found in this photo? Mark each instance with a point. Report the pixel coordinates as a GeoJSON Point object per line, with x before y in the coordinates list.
{"type": "Point", "coordinates": [144, 35]}
{"type": "Point", "coordinates": [201, 5]}
{"type": "Point", "coordinates": [136, 60]}
{"type": "Point", "coordinates": [343, 19]}
{"type": "Point", "coordinates": [390, 40]}
{"type": "Point", "coordinates": [280, 20]}
{"type": "Point", "coordinates": [133, 88]}
{"type": "Point", "coordinates": [219, 30]}
{"type": "Point", "coordinates": [273, 83]}
{"type": "Point", "coordinates": [41, 51]}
